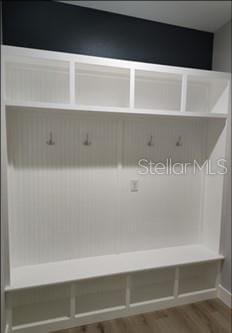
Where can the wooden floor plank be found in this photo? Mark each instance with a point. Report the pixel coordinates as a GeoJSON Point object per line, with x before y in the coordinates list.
{"type": "Point", "coordinates": [204, 317]}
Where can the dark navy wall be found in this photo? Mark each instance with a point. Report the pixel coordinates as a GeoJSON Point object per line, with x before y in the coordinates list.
{"type": "Point", "coordinates": [61, 27]}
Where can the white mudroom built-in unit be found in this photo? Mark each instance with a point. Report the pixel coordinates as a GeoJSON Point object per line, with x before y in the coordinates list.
{"type": "Point", "coordinates": [94, 230]}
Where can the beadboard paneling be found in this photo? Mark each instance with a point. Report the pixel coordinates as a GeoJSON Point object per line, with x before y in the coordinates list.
{"type": "Point", "coordinates": [166, 209]}
{"type": "Point", "coordinates": [43, 82]}
{"type": "Point", "coordinates": [59, 207]}
{"type": "Point", "coordinates": [70, 200]}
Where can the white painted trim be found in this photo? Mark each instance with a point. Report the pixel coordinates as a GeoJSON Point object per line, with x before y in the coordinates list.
{"type": "Point", "coordinates": [40, 323]}
{"type": "Point", "coordinates": [224, 295]}
{"type": "Point", "coordinates": [72, 301]}
{"type": "Point", "coordinates": [96, 267]}
{"type": "Point", "coordinates": [176, 282]}
{"type": "Point", "coordinates": [5, 250]}
{"type": "Point", "coordinates": [119, 175]}
{"type": "Point", "coordinates": [7, 329]}
{"type": "Point", "coordinates": [152, 302]}
{"type": "Point", "coordinates": [99, 312]}
{"type": "Point", "coordinates": [197, 296]}
{"type": "Point", "coordinates": [115, 110]}
{"type": "Point", "coordinates": [198, 293]}
{"type": "Point", "coordinates": [13, 51]}
{"type": "Point", "coordinates": [184, 93]}
{"type": "Point", "coordinates": [128, 291]}
{"type": "Point", "coordinates": [72, 82]}
{"type": "Point", "coordinates": [143, 261]}
{"type": "Point", "coordinates": [132, 88]}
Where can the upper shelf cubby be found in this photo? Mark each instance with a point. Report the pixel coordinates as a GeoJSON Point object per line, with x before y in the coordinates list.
{"type": "Point", "coordinates": [102, 85]}
{"type": "Point", "coordinates": [44, 79]}
{"type": "Point", "coordinates": [156, 90]}
{"type": "Point", "coordinates": [207, 95]}
{"type": "Point", "coordinates": [37, 80]}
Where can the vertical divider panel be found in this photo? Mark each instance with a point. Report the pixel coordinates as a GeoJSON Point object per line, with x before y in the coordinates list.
{"type": "Point", "coordinates": [176, 282]}
{"type": "Point", "coordinates": [8, 312]}
{"type": "Point", "coordinates": [203, 181]}
{"type": "Point", "coordinates": [202, 202]}
{"type": "Point", "coordinates": [5, 249]}
{"type": "Point", "coordinates": [120, 166]}
{"type": "Point", "coordinates": [72, 300]}
{"type": "Point", "coordinates": [217, 282]}
{"type": "Point", "coordinates": [3, 82]}
{"type": "Point", "coordinates": [6, 274]}
{"type": "Point", "coordinates": [184, 93]}
{"type": "Point", "coordinates": [132, 88]}
{"type": "Point", "coordinates": [72, 81]}
{"type": "Point", "coordinates": [128, 291]}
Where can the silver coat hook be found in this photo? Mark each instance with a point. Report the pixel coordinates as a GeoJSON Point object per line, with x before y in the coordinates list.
{"type": "Point", "coordinates": [50, 142]}
{"type": "Point", "coordinates": [179, 142]}
{"type": "Point", "coordinates": [87, 142]}
{"type": "Point", "coordinates": [150, 142]}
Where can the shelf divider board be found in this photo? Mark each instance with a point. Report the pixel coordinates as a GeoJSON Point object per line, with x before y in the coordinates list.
{"type": "Point", "coordinates": [9, 313]}
{"type": "Point", "coordinates": [4, 197]}
{"type": "Point", "coordinates": [81, 269]}
{"type": "Point", "coordinates": [184, 93]}
{"type": "Point", "coordinates": [72, 81]}
{"type": "Point", "coordinates": [128, 290]}
{"type": "Point", "coordinates": [176, 282]}
{"type": "Point", "coordinates": [72, 301]}
{"type": "Point", "coordinates": [119, 168]}
{"type": "Point", "coordinates": [132, 88]}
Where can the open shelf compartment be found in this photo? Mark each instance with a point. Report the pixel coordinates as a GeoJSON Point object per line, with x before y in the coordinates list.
{"type": "Point", "coordinates": [37, 80]}
{"type": "Point", "coordinates": [102, 85]}
{"type": "Point", "coordinates": [39, 305]}
{"type": "Point", "coordinates": [158, 91]}
{"type": "Point", "coordinates": [206, 95]}
{"type": "Point", "coordinates": [152, 285]}
{"type": "Point", "coordinates": [105, 293]}
{"type": "Point", "coordinates": [198, 277]}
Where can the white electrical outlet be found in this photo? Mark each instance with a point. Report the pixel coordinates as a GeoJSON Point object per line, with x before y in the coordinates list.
{"type": "Point", "coordinates": [134, 185]}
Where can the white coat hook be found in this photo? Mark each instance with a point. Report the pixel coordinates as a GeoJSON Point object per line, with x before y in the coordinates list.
{"type": "Point", "coordinates": [87, 142]}
{"type": "Point", "coordinates": [50, 142]}
{"type": "Point", "coordinates": [179, 142]}
{"type": "Point", "coordinates": [150, 142]}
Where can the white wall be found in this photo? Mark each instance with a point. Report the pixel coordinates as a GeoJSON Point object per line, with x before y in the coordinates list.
{"type": "Point", "coordinates": [222, 62]}
{"type": "Point", "coordinates": [222, 49]}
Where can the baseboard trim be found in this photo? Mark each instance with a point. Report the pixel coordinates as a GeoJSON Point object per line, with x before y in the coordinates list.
{"type": "Point", "coordinates": [225, 296]}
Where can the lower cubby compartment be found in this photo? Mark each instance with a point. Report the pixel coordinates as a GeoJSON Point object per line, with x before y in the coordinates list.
{"type": "Point", "coordinates": [107, 297]}
{"type": "Point", "coordinates": [100, 294]}
{"type": "Point", "coordinates": [152, 285]}
{"type": "Point", "coordinates": [197, 277]}
{"type": "Point", "coordinates": [39, 305]}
